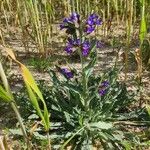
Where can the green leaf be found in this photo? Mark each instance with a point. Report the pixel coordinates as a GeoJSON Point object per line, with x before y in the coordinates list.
{"type": "Point", "coordinates": [89, 68]}
{"type": "Point", "coordinates": [35, 103]}
{"type": "Point", "coordinates": [65, 144]}
{"type": "Point", "coordinates": [16, 131]}
{"type": "Point", "coordinates": [53, 76]}
{"type": "Point", "coordinates": [101, 125]}
{"type": "Point", "coordinates": [127, 145]}
{"type": "Point", "coordinates": [76, 93]}
{"type": "Point", "coordinates": [4, 95]}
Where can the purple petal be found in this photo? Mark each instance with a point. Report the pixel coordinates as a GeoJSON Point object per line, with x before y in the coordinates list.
{"type": "Point", "coordinates": [75, 16]}
{"type": "Point", "coordinates": [68, 74]}
{"type": "Point", "coordinates": [66, 20]}
{"type": "Point", "coordinates": [85, 48]}
{"type": "Point", "coordinates": [68, 49]}
{"type": "Point", "coordinates": [102, 92]}
{"type": "Point", "coordinates": [85, 52]}
{"type": "Point", "coordinates": [78, 42]}
{"type": "Point", "coordinates": [93, 16]}
{"type": "Point", "coordinates": [90, 22]}
{"type": "Point", "coordinates": [105, 84]}
{"type": "Point", "coordinates": [90, 29]}
{"type": "Point", "coordinates": [98, 22]}
{"type": "Point", "coordinates": [62, 26]}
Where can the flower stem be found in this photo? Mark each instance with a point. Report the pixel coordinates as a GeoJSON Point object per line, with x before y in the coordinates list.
{"type": "Point", "coordinates": [84, 80]}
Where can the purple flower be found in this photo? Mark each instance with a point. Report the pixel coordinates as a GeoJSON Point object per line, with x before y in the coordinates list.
{"type": "Point", "coordinates": [77, 42]}
{"type": "Point", "coordinates": [93, 16]}
{"type": "Point", "coordinates": [68, 74]}
{"type": "Point", "coordinates": [67, 20]}
{"type": "Point", "coordinates": [102, 92]}
{"type": "Point", "coordinates": [91, 22]}
{"type": "Point", "coordinates": [103, 88]}
{"type": "Point", "coordinates": [85, 48]}
{"type": "Point", "coordinates": [85, 52]}
{"type": "Point", "coordinates": [90, 29]}
{"type": "Point", "coordinates": [75, 17]}
{"type": "Point", "coordinates": [68, 48]}
{"type": "Point", "coordinates": [62, 26]}
{"type": "Point", "coordinates": [98, 22]}
{"type": "Point", "coordinates": [71, 41]}
{"type": "Point", "coordinates": [105, 84]}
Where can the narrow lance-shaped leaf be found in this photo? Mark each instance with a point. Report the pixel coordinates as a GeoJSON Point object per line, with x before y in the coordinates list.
{"type": "Point", "coordinates": [32, 87]}
{"type": "Point", "coordinates": [101, 125]}
{"type": "Point", "coordinates": [34, 101]}
{"type": "Point", "coordinates": [29, 80]}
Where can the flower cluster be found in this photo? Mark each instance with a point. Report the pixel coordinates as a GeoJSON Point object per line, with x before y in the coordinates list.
{"type": "Point", "coordinates": [71, 44]}
{"type": "Point", "coordinates": [103, 88]}
{"type": "Point", "coordinates": [85, 46]}
{"type": "Point", "coordinates": [77, 38]}
{"type": "Point", "coordinates": [75, 17]}
{"type": "Point", "coordinates": [91, 23]}
{"type": "Point", "coordinates": [68, 74]}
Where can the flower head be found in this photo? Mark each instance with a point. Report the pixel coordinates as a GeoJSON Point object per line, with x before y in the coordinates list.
{"type": "Point", "coordinates": [68, 74]}
{"type": "Point", "coordinates": [105, 84]}
{"type": "Point", "coordinates": [89, 29]}
{"type": "Point", "coordinates": [69, 48]}
{"type": "Point", "coordinates": [103, 88]}
{"type": "Point", "coordinates": [67, 20]}
{"type": "Point", "coordinates": [75, 17]}
{"type": "Point", "coordinates": [62, 26]}
{"type": "Point", "coordinates": [91, 22]}
{"type": "Point", "coordinates": [102, 92]}
{"type": "Point", "coordinates": [71, 44]}
{"type": "Point", "coordinates": [77, 42]}
{"type": "Point", "coordinates": [85, 48]}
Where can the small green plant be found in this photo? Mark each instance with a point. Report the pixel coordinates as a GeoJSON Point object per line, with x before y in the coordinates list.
{"type": "Point", "coordinates": [40, 64]}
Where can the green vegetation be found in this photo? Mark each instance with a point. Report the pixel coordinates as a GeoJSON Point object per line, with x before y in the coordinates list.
{"type": "Point", "coordinates": [91, 62]}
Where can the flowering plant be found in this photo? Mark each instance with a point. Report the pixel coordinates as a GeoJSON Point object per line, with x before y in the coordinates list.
{"type": "Point", "coordinates": [87, 108]}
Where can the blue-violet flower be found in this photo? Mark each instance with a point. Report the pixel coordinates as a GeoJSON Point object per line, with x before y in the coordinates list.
{"type": "Point", "coordinates": [91, 22]}
{"type": "Point", "coordinates": [68, 74]}
{"type": "Point", "coordinates": [85, 48]}
{"type": "Point", "coordinates": [103, 88]}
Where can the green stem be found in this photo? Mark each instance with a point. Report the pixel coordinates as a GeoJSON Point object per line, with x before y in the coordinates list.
{"type": "Point", "coordinates": [13, 105]}
{"type": "Point", "coordinates": [49, 141]}
{"type": "Point", "coordinates": [84, 80]}
{"type": "Point", "coordinates": [80, 130]}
